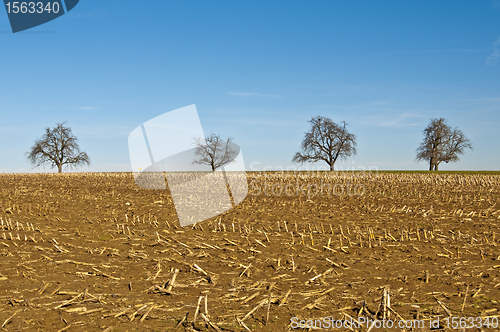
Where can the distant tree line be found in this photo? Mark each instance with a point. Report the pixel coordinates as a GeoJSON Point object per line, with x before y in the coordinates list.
{"type": "Point", "coordinates": [325, 141]}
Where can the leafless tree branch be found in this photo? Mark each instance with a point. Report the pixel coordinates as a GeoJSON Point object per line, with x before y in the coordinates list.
{"type": "Point", "coordinates": [326, 141]}
{"type": "Point", "coordinates": [57, 147]}
{"type": "Point", "coordinates": [441, 144]}
{"type": "Point", "coordinates": [214, 151]}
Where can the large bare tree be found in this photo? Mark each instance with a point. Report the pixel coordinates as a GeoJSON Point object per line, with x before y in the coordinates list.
{"type": "Point", "coordinates": [326, 141]}
{"type": "Point", "coordinates": [214, 151]}
{"type": "Point", "coordinates": [57, 147]}
{"type": "Point", "coordinates": [442, 144]}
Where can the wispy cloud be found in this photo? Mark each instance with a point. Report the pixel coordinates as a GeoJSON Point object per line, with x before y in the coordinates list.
{"type": "Point", "coordinates": [100, 131]}
{"type": "Point", "coordinates": [493, 58]}
{"type": "Point", "coordinates": [430, 51]}
{"type": "Point", "coordinates": [477, 100]}
{"type": "Point", "coordinates": [253, 94]}
{"type": "Point", "coordinates": [375, 105]}
{"type": "Point", "coordinates": [263, 122]}
{"type": "Point", "coordinates": [394, 121]}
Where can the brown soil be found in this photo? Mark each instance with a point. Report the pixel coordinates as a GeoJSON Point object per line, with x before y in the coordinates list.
{"type": "Point", "coordinates": [93, 252]}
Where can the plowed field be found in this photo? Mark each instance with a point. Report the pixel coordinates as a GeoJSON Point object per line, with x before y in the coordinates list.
{"type": "Point", "coordinates": [94, 252]}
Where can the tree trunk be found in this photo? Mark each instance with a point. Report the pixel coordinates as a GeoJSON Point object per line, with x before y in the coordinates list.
{"type": "Point", "coordinates": [331, 166]}
{"type": "Point", "coordinates": [59, 168]}
{"type": "Point", "coordinates": [436, 166]}
{"type": "Point", "coordinates": [431, 164]}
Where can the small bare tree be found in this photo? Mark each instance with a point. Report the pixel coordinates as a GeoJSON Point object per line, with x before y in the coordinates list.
{"type": "Point", "coordinates": [214, 151]}
{"type": "Point", "coordinates": [441, 143]}
{"type": "Point", "coordinates": [326, 141]}
{"type": "Point", "coordinates": [58, 147]}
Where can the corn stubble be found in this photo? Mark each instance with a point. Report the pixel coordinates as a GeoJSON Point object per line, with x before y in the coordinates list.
{"type": "Point", "coordinates": [91, 251]}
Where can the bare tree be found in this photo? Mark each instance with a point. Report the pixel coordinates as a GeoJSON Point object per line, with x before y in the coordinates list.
{"type": "Point", "coordinates": [58, 147]}
{"type": "Point", "coordinates": [214, 151]}
{"type": "Point", "coordinates": [326, 141]}
{"type": "Point", "coordinates": [441, 143]}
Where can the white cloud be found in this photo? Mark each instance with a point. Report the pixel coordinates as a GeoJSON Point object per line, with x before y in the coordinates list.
{"type": "Point", "coordinates": [493, 58]}
{"type": "Point", "coordinates": [100, 131]}
{"type": "Point", "coordinates": [253, 94]}
{"type": "Point", "coordinates": [395, 121]}
{"type": "Point", "coordinates": [479, 100]}
{"type": "Point", "coordinates": [253, 121]}
{"type": "Point", "coordinates": [379, 105]}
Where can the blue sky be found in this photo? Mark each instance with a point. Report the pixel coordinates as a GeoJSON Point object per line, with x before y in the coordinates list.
{"type": "Point", "coordinates": [257, 71]}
